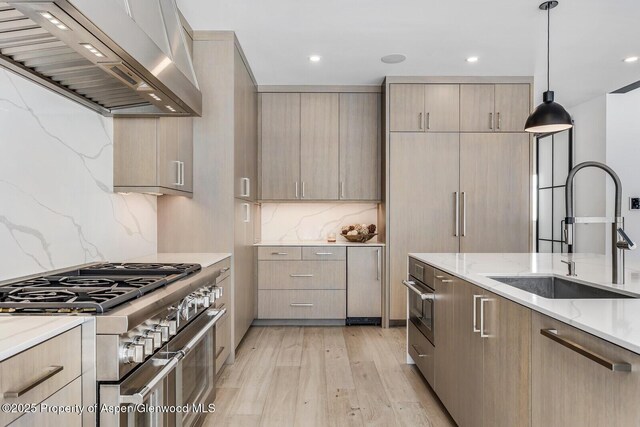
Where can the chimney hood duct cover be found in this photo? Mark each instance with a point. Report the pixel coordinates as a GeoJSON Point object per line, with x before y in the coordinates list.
{"type": "Point", "coordinates": [117, 57]}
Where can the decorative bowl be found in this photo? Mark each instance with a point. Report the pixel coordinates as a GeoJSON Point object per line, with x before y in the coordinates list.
{"type": "Point", "coordinates": [359, 238]}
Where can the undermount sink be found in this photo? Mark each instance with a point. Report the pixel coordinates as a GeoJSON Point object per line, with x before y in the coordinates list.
{"type": "Point", "coordinates": [557, 287]}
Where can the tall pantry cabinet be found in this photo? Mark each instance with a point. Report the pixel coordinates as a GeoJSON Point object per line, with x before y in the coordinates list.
{"type": "Point", "coordinates": [458, 171]}
{"type": "Point", "coordinates": [225, 150]}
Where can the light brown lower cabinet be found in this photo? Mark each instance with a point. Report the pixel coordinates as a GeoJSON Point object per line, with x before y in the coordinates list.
{"type": "Point", "coordinates": [68, 396]}
{"type": "Point", "coordinates": [482, 353]}
{"type": "Point", "coordinates": [570, 389]}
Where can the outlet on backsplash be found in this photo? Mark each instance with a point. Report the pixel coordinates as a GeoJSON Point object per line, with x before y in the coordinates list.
{"type": "Point", "coordinates": [287, 222]}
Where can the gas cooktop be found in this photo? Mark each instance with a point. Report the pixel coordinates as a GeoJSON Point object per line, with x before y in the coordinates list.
{"type": "Point", "coordinates": [91, 290]}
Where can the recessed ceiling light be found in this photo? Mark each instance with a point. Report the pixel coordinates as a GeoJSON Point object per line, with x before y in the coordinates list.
{"type": "Point", "coordinates": [394, 58]}
{"type": "Point", "coordinates": [315, 58]}
{"type": "Point", "coordinates": [630, 59]}
{"type": "Point", "coordinates": [472, 59]}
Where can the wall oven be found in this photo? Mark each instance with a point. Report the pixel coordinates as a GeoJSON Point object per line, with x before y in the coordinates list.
{"type": "Point", "coordinates": [421, 303]}
{"type": "Point", "coordinates": [173, 388]}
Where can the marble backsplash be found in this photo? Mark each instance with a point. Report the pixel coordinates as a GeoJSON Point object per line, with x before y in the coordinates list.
{"type": "Point", "coordinates": [56, 173]}
{"type": "Point", "coordinates": [285, 222]}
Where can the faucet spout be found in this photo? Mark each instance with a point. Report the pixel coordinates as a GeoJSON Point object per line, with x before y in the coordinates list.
{"type": "Point", "coordinates": [617, 226]}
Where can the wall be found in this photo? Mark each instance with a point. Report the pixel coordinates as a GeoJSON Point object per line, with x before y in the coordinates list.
{"type": "Point", "coordinates": [56, 174]}
{"type": "Point", "coordinates": [286, 222]}
{"type": "Point", "coordinates": [590, 185]}
{"type": "Point", "coordinates": [623, 145]}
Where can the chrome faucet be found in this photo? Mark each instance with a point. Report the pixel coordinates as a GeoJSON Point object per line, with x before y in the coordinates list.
{"type": "Point", "coordinates": [617, 223]}
{"type": "Point", "coordinates": [572, 267]}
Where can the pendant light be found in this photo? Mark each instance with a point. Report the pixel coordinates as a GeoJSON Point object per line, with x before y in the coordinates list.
{"type": "Point", "coordinates": [548, 117]}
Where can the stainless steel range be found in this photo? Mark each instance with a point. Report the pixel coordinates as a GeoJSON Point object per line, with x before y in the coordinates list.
{"type": "Point", "coordinates": [155, 325]}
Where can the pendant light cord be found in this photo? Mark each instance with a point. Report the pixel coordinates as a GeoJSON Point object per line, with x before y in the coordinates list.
{"type": "Point", "coordinates": [548, 43]}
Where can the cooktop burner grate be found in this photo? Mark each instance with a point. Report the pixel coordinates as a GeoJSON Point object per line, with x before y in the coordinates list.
{"type": "Point", "coordinates": [93, 289]}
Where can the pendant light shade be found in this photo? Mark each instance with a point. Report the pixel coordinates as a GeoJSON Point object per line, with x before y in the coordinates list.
{"type": "Point", "coordinates": [548, 117]}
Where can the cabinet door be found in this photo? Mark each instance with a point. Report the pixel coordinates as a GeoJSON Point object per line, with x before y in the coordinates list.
{"type": "Point", "coordinates": [186, 153]}
{"type": "Point", "coordinates": [477, 108]}
{"type": "Point", "coordinates": [364, 282]}
{"type": "Point", "coordinates": [246, 138]}
{"type": "Point", "coordinates": [495, 183]}
{"type": "Point", "coordinates": [406, 108]}
{"type": "Point", "coordinates": [280, 146]}
{"type": "Point", "coordinates": [244, 283]}
{"type": "Point", "coordinates": [135, 153]}
{"type": "Point", "coordinates": [360, 146]}
{"type": "Point", "coordinates": [319, 146]}
{"type": "Point", "coordinates": [424, 181]}
{"type": "Point", "coordinates": [468, 358]}
{"type": "Point", "coordinates": [445, 350]}
{"type": "Point", "coordinates": [507, 353]}
{"type": "Point", "coordinates": [442, 108]}
{"type": "Point", "coordinates": [571, 390]}
{"type": "Point", "coordinates": [169, 167]}
{"type": "Point", "coordinates": [512, 107]}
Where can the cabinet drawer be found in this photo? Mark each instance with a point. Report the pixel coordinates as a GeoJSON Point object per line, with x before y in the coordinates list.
{"type": "Point", "coordinates": [37, 373]}
{"type": "Point", "coordinates": [421, 271]}
{"type": "Point", "coordinates": [293, 304]}
{"type": "Point", "coordinates": [324, 253]}
{"type": "Point", "coordinates": [223, 341]}
{"type": "Point", "coordinates": [422, 352]}
{"type": "Point", "coordinates": [302, 275]}
{"type": "Point", "coordinates": [69, 395]}
{"type": "Point", "coordinates": [279, 252]}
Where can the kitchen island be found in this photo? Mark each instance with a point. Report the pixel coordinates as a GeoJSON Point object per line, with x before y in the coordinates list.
{"type": "Point", "coordinates": [498, 355]}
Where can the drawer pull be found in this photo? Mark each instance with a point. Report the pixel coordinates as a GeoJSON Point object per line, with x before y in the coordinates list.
{"type": "Point", "coordinates": [301, 304]}
{"type": "Point", "coordinates": [418, 351]}
{"type": "Point", "coordinates": [601, 360]}
{"type": "Point", "coordinates": [324, 253]}
{"type": "Point", "coordinates": [301, 275]}
{"type": "Point", "coordinates": [279, 253]}
{"type": "Point", "coordinates": [224, 270]}
{"type": "Point", "coordinates": [50, 372]}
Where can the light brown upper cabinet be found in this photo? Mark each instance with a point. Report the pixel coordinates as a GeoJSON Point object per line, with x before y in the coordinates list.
{"type": "Point", "coordinates": [246, 129]}
{"type": "Point", "coordinates": [319, 146]}
{"type": "Point", "coordinates": [153, 155]}
{"type": "Point", "coordinates": [494, 107]}
{"type": "Point", "coordinates": [360, 146]}
{"type": "Point", "coordinates": [424, 108]}
{"type": "Point", "coordinates": [280, 146]}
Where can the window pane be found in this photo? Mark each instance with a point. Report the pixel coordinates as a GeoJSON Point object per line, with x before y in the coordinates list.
{"type": "Point", "coordinates": [544, 214]}
{"type": "Point", "coordinates": [545, 153]}
{"type": "Point", "coordinates": [560, 158]}
{"type": "Point", "coordinates": [558, 212]}
{"type": "Point", "coordinates": [544, 246]}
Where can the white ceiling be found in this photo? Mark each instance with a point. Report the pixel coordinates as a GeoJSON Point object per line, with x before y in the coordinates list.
{"type": "Point", "coordinates": [588, 40]}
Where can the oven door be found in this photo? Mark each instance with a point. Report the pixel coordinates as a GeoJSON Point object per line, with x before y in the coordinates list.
{"type": "Point", "coordinates": [421, 301]}
{"type": "Point", "coordinates": [196, 372]}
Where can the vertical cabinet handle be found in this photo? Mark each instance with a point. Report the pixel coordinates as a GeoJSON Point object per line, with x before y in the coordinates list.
{"type": "Point", "coordinates": [475, 313]}
{"type": "Point", "coordinates": [303, 189]}
{"type": "Point", "coordinates": [247, 212]}
{"type": "Point", "coordinates": [456, 231]}
{"type": "Point", "coordinates": [182, 173]}
{"type": "Point", "coordinates": [177, 176]}
{"type": "Point", "coordinates": [379, 273]}
{"type": "Point", "coordinates": [491, 121]}
{"type": "Point", "coordinates": [342, 189]}
{"type": "Point", "coordinates": [499, 120]}
{"type": "Point", "coordinates": [482, 333]}
{"type": "Point", "coordinates": [297, 197]}
{"type": "Point", "coordinates": [420, 121]}
{"type": "Point", "coordinates": [428, 121]}
{"type": "Point", "coordinates": [464, 214]}
{"type": "Point", "coordinates": [245, 187]}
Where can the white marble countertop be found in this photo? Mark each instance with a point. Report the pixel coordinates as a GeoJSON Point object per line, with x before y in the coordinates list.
{"type": "Point", "coordinates": [202, 258]}
{"type": "Point", "coordinates": [615, 320]}
{"type": "Point", "coordinates": [19, 333]}
{"type": "Point", "coordinates": [340, 242]}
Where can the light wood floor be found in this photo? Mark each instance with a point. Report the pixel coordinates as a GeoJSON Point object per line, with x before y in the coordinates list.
{"type": "Point", "coordinates": [324, 376]}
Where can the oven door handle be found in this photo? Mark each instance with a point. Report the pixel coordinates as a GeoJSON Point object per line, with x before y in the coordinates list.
{"type": "Point", "coordinates": [139, 396]}
{"type": "Point", "coordinates": [412, 286]}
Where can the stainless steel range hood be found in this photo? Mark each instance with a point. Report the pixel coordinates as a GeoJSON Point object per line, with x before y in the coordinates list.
{"type": "Point", "coordinates": [117, 57]}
